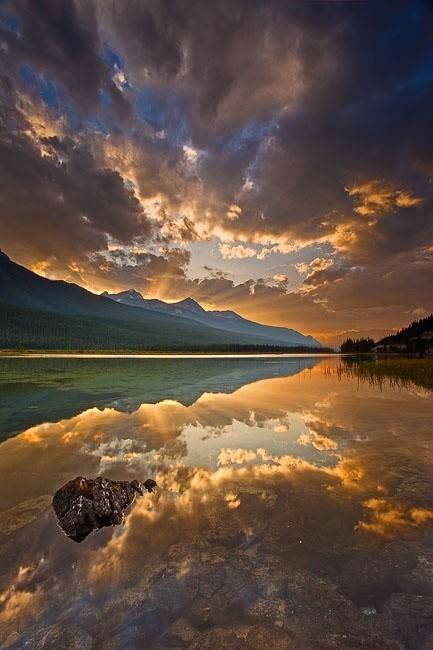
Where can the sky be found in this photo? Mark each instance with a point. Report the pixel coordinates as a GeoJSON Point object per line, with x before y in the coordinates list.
{"type": "Point", "coordinates": [270, 157]}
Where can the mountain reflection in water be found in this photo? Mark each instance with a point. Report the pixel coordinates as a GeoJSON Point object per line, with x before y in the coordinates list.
{"type": "Point", "coordinates": [36, 389]}
{"type": "Point", "coordinates": [295, 506]}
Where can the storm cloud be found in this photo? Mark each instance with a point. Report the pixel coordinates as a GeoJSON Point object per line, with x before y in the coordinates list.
{"type": "Point", "coordinates": [291, 139]}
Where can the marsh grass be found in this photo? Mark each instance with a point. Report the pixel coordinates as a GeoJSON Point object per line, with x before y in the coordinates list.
{"type": "Point", "coordinates": [396, 373]}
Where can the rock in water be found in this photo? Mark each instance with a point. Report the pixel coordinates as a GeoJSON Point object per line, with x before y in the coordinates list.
{"type": "Point", "coordinates": [84, 505]}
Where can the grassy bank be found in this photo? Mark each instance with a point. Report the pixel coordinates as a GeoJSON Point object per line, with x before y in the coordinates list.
{"type": "Point", "coordinates": [397, 371]}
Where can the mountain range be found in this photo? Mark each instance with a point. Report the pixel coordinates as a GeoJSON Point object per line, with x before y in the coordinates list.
{"type": "Point", "coordinates": [36, 312]}
{"type": "Point", "coordinates": [226, 321]}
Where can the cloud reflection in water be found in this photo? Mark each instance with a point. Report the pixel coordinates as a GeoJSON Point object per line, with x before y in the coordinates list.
{"type": "Point", "coordinates": [269, 496]}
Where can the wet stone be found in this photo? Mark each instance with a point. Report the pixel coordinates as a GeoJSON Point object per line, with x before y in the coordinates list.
{"type": "Point", "coordinates": [420, 579]}
{"type": "Point", "coordinates": [55, 637]}
{"type": "Point", "coordinates": [173, 592]}
{"type": "Point", "coordinates": [413, 616]}
{"type": "Point", "coordinates": [324, 618]}
{"type": "Point", "coordinates": [83, 505]}
{"type": "Point", "coordinates": [11, 640]}
{"type": "Point", "coordinates": [417, 489]}
{"type": "Point", "coordinates": [129, 620]}
{"type": "Point", "coordinates": [255, 637]}
{"type": "Point", "coordinates": [274, 611]}
{"type": "Point", "coordinates": [370, 577]}
{"type": "Point", "coordinates": [181, 633]}
{"type": "Point", "coordinates": [218, 610]}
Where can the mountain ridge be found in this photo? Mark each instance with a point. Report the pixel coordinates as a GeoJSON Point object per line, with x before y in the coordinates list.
{"type": "Point", "coordinates": [190, 308]}
{"type": "Point", "coordinates": [160, 325]}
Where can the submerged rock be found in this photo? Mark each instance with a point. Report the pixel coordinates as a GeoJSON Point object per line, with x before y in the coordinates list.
{"type": "Point", "coordinates": [54, 637]}
{"type": "Point", "coordinates": [413, 615]}
{"type": "Point", "coordinates": [84, 505]}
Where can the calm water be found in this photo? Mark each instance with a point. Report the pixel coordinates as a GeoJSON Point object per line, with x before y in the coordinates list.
{"type": "Point", "coordinates": [294, 510]}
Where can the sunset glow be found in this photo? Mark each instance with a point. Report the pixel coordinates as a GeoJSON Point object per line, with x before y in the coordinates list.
{"type": "Point", "coordinates": [269, 158]}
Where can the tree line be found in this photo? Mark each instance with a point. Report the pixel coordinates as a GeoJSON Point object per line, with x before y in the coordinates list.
{"type": "Point", "coordinates": [28, 329]}
{"type": "Point", "coordinates": [357, 345]}
{"type": "Point", "coordinates": [416, 338]}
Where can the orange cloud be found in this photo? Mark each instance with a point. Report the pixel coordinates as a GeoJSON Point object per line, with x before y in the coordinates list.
{"type": "Point", "coordinates": [376, 198]}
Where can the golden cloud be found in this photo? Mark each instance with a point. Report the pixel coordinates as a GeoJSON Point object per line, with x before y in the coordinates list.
{"type": "Point", "coordinates": [375, 198]}
{"type": "Point", "coordinates": [239, 252]}
{"type": "Point", "coordinates": [234, 212]}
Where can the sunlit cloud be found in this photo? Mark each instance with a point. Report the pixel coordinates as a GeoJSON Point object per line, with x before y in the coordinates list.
{"type": "Point", "coordinates": [234, 212]}
{"type": "Point", "coordinates": [376, 198]}
{"type": "Point", "coordinates": [239, 252]}
{"type": "Point", "coordinates": [118, 142]}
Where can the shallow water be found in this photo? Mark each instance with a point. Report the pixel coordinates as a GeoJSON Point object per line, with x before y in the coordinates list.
{"type": "Point", "coordinates": [295, 505]}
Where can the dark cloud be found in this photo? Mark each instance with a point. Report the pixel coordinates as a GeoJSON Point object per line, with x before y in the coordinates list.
{"type": "Point", "coordinates": [275, 123]}
{"type": "Point", "coordinates": [149, 272]}
{"type": "Point", "coordinates": [56, 201]}
{"type": "Point", "coordinates": [149, 35]}
{"type": "Point", "coordinates": [60, 39]}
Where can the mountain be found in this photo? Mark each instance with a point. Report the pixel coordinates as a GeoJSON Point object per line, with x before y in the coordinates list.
{"type": "Point", "coordinates": [227, 321]}
{"type": "Point", "coordinates": [133, 298]}
{"type": "Point", "coordinates": [36, 312]}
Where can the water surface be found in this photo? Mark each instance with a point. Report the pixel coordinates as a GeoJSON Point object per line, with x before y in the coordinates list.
{"type": "Point", "coordinates": [295, 505]}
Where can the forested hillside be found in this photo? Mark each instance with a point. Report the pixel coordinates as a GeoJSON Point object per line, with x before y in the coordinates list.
{"type": "Point", "coordinates": [416, 338]}
{"type": "Point", "coordinates": [36, 312]}
{"type": "Point", "coordinates": [30, 329]}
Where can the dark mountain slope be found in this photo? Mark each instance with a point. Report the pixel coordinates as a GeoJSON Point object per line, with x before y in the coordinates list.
{"type": "Point", "coordinates": [38, 329]}
{"type": "Point", "coordinates": [227, 321]}
{"type": "Point", "coordinates": [81, 319]}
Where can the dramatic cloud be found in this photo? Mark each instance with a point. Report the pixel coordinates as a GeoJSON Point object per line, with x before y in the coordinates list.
{"type": "Point", "coordinates": [375, 198]}
{"type": "Point", "coordinates": [236, 252]}
{"type": "Point", "coordinates": [258, 130]}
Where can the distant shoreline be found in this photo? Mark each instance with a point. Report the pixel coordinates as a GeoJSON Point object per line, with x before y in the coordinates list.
{"type": "Point", "coordinates": [155, 355]}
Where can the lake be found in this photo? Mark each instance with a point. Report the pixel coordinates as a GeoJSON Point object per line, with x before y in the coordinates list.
{"type": "Point", "coordinates": [294, 506]}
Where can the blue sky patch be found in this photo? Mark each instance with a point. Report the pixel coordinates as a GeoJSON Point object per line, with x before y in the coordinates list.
{"type": "Point", "coordinates": [10, 23]}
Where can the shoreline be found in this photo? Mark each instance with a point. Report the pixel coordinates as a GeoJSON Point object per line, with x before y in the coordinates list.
{"type": "Point", "coordinates": [161, 355]}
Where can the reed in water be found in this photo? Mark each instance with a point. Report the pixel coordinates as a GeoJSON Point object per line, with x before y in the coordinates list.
{"type": "Point", "coordinates": [398, 372]}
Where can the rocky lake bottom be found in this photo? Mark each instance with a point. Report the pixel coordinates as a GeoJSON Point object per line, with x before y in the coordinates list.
{"type": "Point", "coordinates": [294, 506]}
